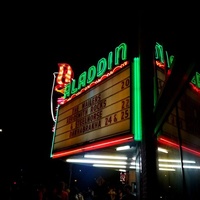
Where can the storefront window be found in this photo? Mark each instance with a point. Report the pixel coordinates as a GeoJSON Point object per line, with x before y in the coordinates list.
{"type": "Point", "coordinates": [178, 157]}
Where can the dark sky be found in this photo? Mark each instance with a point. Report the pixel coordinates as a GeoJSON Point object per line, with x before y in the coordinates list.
{"type": "Point", "coordinates": [34, 39]}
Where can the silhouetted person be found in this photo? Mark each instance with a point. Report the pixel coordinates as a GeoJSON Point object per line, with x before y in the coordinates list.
{"type": "Point", "coordinates": [112, 193]}
{"type": "Point", "coordinates": [128, 194]}
{"type": "Point", "coordinates": [61, 193]}
{"type": "Point", "coordinates": [75, 194]}
{"type": "Point", "coordinates": [42, 193]}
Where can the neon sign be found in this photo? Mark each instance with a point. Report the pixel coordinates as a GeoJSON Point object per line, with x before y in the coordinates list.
{"type": "Point", "coordinates": [167, 64]}
{"type": "Point", "coordinates": [65, 75]}
{"type": "Point", "coordinates": [196, 80]}
{"type": "Point", "coordinates": [69, 86]}
{"type": "Point", "coordinates": [160, 57]}
{"type": "Point", "coordinates": [103, 107]}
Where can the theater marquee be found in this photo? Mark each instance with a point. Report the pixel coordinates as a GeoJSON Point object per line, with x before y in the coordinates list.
{"type": "Point", "coordinates": [102, 111]}
{"type": "Point", "coordinates": [98, 105]}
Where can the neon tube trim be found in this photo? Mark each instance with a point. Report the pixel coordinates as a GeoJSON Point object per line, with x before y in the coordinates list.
{"type": "Point", "coordinates": [174, 144]}
{"type": "Point", "coordinates": [97, 145]}
{"type": "Point", "coordinates": [62, 100]}
{"type": "Point", "coordinates": [136, 101]}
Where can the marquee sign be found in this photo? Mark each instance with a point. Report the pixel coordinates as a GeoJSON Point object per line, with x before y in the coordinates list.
{"type": "Point", "coordinates": [104, 102]}
{"type": "Point", "coordinates": [165, 62]}
{"type": "Point", "coordinates": [72, 88]}
{"type": "Point", "coordinates": [100, 112]}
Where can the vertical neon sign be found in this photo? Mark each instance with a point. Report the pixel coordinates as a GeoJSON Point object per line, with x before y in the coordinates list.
{"type": "Point", "coordinates": [136, 101]}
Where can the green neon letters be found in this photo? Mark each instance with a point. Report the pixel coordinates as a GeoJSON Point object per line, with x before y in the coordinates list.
{"type": "Point", "coordinates": [103, 65]}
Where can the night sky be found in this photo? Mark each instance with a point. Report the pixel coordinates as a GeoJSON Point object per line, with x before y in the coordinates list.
{"type": "Point", "coordinates": [34, 40]}
{"type": "Point", "coordinates": [33, 45]}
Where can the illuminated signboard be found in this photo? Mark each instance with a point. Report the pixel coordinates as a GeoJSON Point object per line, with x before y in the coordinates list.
{"type": "Point", "coordinates": [164, 61]}
{"type": "Point", "coordinates": [103, 103]}
{"type": "Point", "coordinates": [71, 87]}
{"type": "Point", "coordinates": [100, 112]}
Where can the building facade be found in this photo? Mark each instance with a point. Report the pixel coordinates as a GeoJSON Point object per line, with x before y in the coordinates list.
{"type": "Point", "coordinates": [150, 103]}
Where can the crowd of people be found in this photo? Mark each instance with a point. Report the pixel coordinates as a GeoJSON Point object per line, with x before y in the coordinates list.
{"type": "Point", "coordinates": [61, 191]}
